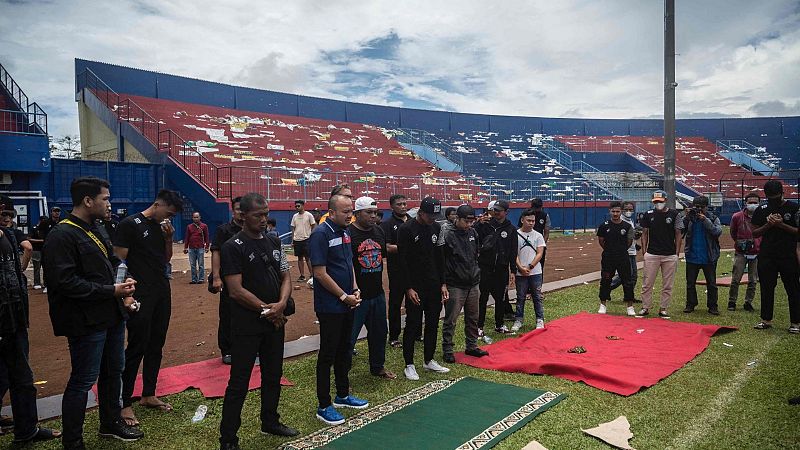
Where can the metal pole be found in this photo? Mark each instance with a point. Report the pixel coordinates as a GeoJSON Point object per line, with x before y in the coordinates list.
{"type": "Point", "coordinates": [669, 101]}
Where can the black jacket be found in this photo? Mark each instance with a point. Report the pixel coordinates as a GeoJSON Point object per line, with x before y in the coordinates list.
{"type": "Point", "coordinates": [460, 251]}
{"type": "Point", "coordinates": [498, 243]}
{"type": "Point", "coordinates": [13, 289]}
{"type": "Point", "coordinates": [80, 280]}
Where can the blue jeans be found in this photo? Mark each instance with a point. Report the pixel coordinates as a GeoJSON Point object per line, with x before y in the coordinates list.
{"type": "Point", "coordinates": [532, 284]}
{"type": "Point", "coordinates": [617, 281]}
{"type": "Point", "coordinates": [372, 313]}
{"type": "Point", "coordinates": [197, 263]}
{"type": "Point", "coordinates": [100, 357]}
{"type": "Point", "coordinates": [14, 357]}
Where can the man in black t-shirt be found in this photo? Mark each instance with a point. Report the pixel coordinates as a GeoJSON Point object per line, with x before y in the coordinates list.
{"type": "Point", "coordinates": [661, 239]}
{"type": "Point", "coordinates": [369, 245]}
{"type": "Point", "coordinates": [221, 236]}
{"type": "Point", "coordinates": [777, 222]}
{"type": "Point", "coordinates": [256, 275]}
{"type": "Point", "coordinates": [144, 241]}
{"type": "Point", "coordinates": [37, 236]}
{"type": "Point", "coordinates": [615, 237]}
{"type": "Point", "coordinates": [397, 291]}
{"type": "Point", "coordinates": [422, 272]}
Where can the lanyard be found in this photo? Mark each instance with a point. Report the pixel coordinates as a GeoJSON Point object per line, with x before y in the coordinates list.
{"type": "Point", "coordinates": [88, 233]}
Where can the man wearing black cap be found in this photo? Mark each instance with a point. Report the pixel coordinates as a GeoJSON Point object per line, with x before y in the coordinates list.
{"type": "Point", "coordinates": [459, 242]}
{"type": "Point", "coordinates": [422, 272]}
{"type": "Point", "coordinates": [702, 252]}
{"type": "Point", "coordinates": [37, 237]}
{"type": "Point", "coordinates": [497, 261]}
{"type": "Point", "coordinates": [777, 223]}
{"type": "Point", "coordinates": [14, 343]}
{"type": "Point", "coordinates": [7, 215]}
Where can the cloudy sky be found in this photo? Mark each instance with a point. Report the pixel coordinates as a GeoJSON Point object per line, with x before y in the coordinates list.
{"type": "Point", "coordinates": [600, 59]}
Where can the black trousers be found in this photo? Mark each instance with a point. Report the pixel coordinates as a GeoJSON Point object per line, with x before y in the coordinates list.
{"type": "Point", "coordinates": [609, 265]}
{"type": "Point", "coordinates": [335, 350]}
{"type": "Point", "coordinates": [710, 273]}
{"type": "Point", "coordinates": [14, 350]}
{"type": "Point", "coordinates": [431, 306]}
{"type": "Point", "coordinates": [768, 270]}
{"type": "Point", "coordinates": [396, 295]}
{"type": "Point", "coordinates": [268, 346]}
{"type": "Point", "coordinates": [493, 282]}
{"type": "Point", "coordinates": [147, 332]}
{"type": "Point", "coordinates": [224, 328]}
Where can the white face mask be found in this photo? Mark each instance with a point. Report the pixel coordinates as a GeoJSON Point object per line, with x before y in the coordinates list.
{"type": "Point", "coordinates": [752, 206]}
{"type": "Point", "coordinates": [628, 214]}
{"type": "Point", "coordinates": [660, 205]}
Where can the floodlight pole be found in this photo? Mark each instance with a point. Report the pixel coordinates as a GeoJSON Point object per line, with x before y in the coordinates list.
{"type": "Point", "coordinates": [669, 101]}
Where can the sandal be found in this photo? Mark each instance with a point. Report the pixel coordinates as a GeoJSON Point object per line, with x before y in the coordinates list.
{"type": "Point", "coordinates": [762, 326]}
{"type": "Point", "coordinates": [396, 344]}
{"type": "Point", "coordinates": [794, 329]}
{"type": "Point", "coordinates": [41, 434]}
{"type": "Point", "coordinates": [385, 374]}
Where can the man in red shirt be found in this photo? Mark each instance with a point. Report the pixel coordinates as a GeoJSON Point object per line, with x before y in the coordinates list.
{"type": "Point", "coordinates": [747, 248]}
{"type": "Point", "coordinates": [196, 245]}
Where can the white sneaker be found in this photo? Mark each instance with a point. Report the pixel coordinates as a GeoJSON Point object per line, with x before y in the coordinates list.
{"type": "Point", "coordinates": [539, 324]}
{"type": "Point", "coordinates": [480, 332]}
{"type": "Point", "coordinates": [44, 291]}
{"type": "Point", "coordinates": [411, 372]}
{"type": "Point", "coordinates": [601, 309]}
{"type": "Point", "coordinates": [487, 339]}
{"type": "Point", "coordinates": [517, 325]}
{"type": "Point", "coordinates": [37, 286]}
{"type": "Point", "coordinates": [435, 367]}
{"type": "Point", "coordinates": [630, 311]}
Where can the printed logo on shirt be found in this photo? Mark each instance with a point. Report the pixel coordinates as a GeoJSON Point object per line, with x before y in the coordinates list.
{"type": "Point", "coordinates": [137, 220]}
{"type": "Point", "coordinates": [334, 242]}
{"type": "Point", "coordinates": [669, 219]}
{"type": "Point", "coordinates": [395, 227]}
{"type": "Point", "coordinates": [416, 238]}
{"type": "Point", "coordinates": [434, 238]}
{"type": "Point", "coordinates": [238, 241]}
{"type": "Point", "coordinates": [252, 256]}
{"type": "Point", "coordinates": [541, 221]}
{"type": "Point", "coordinates": [472, 238]}
{"type": "Point", "coordinates": [623, 231]}
{"type": "Point", "coordinates": [503, 234]}
{"type": "Point", "coordinates": [146, 233]}
{"type": "Point", "coordinates": [787, 216]}
{"type": "Point", "coordinates": [276, 254]}
{"type": "Point", "coordinates": [346, 238]}
{"type": "Point", "coordinates": [369, 256]}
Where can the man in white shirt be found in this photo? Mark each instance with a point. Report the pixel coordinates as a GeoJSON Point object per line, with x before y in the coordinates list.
{"type": "Point", "coordinates": [530, 248]}
{"type": "Point", "coordinates": [302, 225]}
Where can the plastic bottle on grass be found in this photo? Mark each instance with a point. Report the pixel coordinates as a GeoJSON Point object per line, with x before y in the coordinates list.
{"type": "Point", "coordinates": [200, 413]}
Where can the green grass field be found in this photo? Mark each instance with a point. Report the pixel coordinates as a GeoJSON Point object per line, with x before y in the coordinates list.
{"type": "Point", "coordinates": [716, 401]}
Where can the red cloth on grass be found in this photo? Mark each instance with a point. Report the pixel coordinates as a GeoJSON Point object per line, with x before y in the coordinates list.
{"type": "Point", "coordinates": [621, 366]}
{"type": "Point", "coordinates": [210, 377]}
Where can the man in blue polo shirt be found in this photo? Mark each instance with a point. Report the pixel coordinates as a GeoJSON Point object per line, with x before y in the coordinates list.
{"type": "Point", "coordinates": [336, 295]}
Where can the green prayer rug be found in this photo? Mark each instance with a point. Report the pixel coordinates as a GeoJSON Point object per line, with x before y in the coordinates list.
{"type": "Point", "coordinates": [466, 413]}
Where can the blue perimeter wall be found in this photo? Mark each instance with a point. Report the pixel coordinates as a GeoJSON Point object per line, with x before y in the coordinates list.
{"type": "Point", "coordinates": [171, 87]}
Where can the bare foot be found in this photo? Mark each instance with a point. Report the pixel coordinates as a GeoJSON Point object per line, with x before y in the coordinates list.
{"type": "Point", "coordinates": [129, 417]}
{"type": "Point", "coordinates": [155, 402]}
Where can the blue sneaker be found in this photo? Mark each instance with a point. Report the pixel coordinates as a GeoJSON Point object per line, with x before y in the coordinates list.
{"type": "Point", "coordinates": [330, 415]}
{"type": "Point", "coordinates": [350, 402]}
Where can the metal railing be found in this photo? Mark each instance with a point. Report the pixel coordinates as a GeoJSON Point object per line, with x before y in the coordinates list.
{"type": "Point", "coordinates": [422, 137]}
{"type": "Point", "coordinates": [34, 120]}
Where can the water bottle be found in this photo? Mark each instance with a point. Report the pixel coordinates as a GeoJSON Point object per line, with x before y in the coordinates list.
{"type": "Point", "coordinates": [122, 273]}
{"type": "Point", "coordinates": [200, 413]}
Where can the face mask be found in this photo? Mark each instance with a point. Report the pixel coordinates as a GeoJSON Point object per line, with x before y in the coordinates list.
{"type": "Point", "coordinates": [752, 207]}
{"type": "Point", "coordinates": [628, 214]}
{"type": "Point", "coordinates": [775, 202]}
{"type": "Point", "coordinates": [660, 206]}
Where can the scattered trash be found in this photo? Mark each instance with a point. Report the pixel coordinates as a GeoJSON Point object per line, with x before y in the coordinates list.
{"type": "Point", "coordinates": [200, 343]}
{"type": "Point", "coordinates": [616, 433]}
{"type": "Point", "coordinates": [559, 270]}
{"type": "Point", "coordinates": [640, 330]}
{"type": "Point", "coordinates": [752, 363]}
{"type": "Point", "coordinates": [727, 345]}
{"type": "Point", "coordinates": [613, 338]}
{"type": "Point", "coordinates": [577, 349]}
{"type": "Point", "coordinates": [316, 322]}
{"type": "Point", "coordinates": [534, 445]}
{"type": "Point", "coordinates": [302, 337]}
{"type": "Point", "coordinates": [200, 413]}
{"type": "Point", "coordinates": [297, 288]}
{"type": "Point", "coordinates": [41, 382]}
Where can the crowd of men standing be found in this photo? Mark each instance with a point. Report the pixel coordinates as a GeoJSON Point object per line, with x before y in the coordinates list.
{"type": "Point", "coordinates": [107, 279]}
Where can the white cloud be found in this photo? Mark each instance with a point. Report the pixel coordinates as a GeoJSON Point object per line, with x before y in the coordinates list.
{"type": "Point", "coordinates": [568, 58]}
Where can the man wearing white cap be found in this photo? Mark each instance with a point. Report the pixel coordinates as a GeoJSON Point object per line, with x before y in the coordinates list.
{"type": "Point", "coordinates": [369, 247]}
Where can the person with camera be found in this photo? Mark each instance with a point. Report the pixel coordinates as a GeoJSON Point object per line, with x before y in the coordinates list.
{"type": "Point", "coordinates": [256, 274]}
{"type": "Point", "coordinates": [702, 229]}
{"type": "Point", "coordinates": [776, 222]}
{"type": "Point", "coordinates": [746, 256]}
